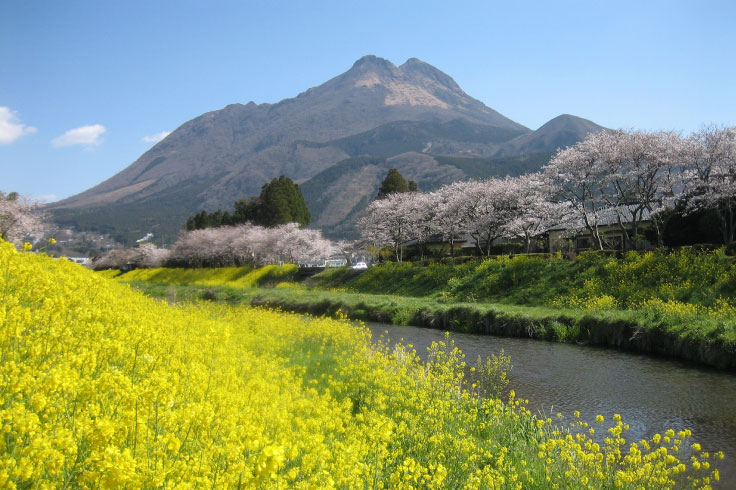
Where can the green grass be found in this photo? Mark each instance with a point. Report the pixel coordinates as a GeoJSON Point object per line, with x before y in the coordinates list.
{"type": "Point", "coordinates": [703, 341]}
{"type": "Point", "coordinates": [678, 304]}
{"type": "Point", "coordinates": [699, 278]}
{"type": "Point", "coordinates": [233, 277]}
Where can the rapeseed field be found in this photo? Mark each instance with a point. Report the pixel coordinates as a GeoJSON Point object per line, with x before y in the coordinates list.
{"type": "Point", "coordinates": [102, 387]}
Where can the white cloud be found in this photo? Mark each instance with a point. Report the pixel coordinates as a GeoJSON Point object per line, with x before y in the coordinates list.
{"type": "Point", "coordinates": [10, 128]}
{"type": "Point", "coordinates": [86, 135]}
{"type": "Point", "coordinates": [155, 138]}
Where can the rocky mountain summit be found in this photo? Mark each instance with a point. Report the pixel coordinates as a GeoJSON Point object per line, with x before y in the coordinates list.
{"type": "Point", "coordinates": [412, 113]}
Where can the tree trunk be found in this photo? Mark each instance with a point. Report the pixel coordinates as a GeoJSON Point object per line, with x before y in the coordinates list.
{"type": "Point", "coordinates": [477, 244]}
{"type": "Point", "coordinates": [596, 234]}
{"type": "Point", "coordinates": [489, 244]}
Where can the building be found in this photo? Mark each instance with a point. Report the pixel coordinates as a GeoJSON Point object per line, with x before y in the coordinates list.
{"type": "Point", "coordinates": [576, 237]}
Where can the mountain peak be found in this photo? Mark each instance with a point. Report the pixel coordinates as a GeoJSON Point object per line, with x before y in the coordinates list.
{"type": "Point", "coordinates": [414, 62]}
{"type": "Point", "coordinates": [570, 123]}
{"type": "Point", "coordinates": [416, 68]}
{"type": "Point", "coordinates": [371, 61]}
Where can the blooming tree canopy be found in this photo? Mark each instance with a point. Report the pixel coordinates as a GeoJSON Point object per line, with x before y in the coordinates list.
{"type": "Point", "coordinates": [391, 221]}
{"type": "Point", "coordinates": [577, 175]}
{"type": "Point", "coordinates": [451, 215]}
{"type": "Point", "coordinates": [533, 211]}
{"type": "Point", "coordinates": [710, 174]}
{"type": "Point", "coordinates": [488, 206]}
{"type": "Point", "coordinates": [635, 174]}
{"type": "Point", "coordinates": [229, 246]}
{"type": "Point", "coordinates": [643, 178]}
{"type": "Point", "coordinates": [19, 218]}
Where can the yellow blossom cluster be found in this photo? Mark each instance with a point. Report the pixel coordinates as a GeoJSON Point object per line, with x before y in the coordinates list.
{"type": "Point", "coordinates": [234, 277]}
{"type": "Point", "coordinates": [101, 387]}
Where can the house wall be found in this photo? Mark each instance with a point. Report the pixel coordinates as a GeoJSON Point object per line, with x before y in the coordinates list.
{"type": "Point", "coordinates": [562, 241]}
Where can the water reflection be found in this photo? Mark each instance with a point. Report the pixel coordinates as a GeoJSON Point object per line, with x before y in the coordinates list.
{"type": "Point", "coordinates": [651, 394]}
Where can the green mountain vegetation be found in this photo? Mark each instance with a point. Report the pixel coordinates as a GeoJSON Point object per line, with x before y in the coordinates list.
{"type": "Point", "coordinates": [404, 136]}
{"type": "Point", "coordinates": [280, 202]}
{"type": "Point", "coordinates": [394, 182]}
{"type": "Point", "coordinates": [483, 168]}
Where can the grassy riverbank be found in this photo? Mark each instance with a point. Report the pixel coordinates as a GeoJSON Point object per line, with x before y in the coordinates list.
{"type": "Point", "coordinates": [678, 304]}
{"type": "Point", "coordinates": [622, 329]}
{"type": "Point", "coordinates": [106, 388]}
{"type": "Point", "coordinates": [698, 281]}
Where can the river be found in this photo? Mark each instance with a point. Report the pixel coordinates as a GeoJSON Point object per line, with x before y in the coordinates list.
{"type": "Point", "coordinates": [651, 394]}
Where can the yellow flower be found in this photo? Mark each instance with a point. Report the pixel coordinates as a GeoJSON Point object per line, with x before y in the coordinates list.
{"type": "Point", "coordinates": [27, 246]}
{"type": "Point", "coordinates": [228, 396]}
{"type": "Point", "coordinates": [52, 241]}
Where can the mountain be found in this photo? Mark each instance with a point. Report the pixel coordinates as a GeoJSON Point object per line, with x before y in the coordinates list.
{"type": "Point", "coordinates": [562, 131]}
{"type": "Point", "coordinates": [337, 196]}
{"type": "Point", "coordinates": [374, 109]}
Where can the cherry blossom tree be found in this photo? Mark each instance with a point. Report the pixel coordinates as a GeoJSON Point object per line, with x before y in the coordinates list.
{"type": "Point", "coordinates": [299, 244]}
{"type": "Point", "coordinates": [113, 259]}
{"type": "Point", "coordinates": [249, 244]}
{"type": "Point", "coordinates": [450, 218]}
{"type": "Point", "coordinates": [533, 211]}
{"type": "Point", "coordinates": [577, 175]}
{"type": "Point", "coordinates": [20, 217]}
{"type": "Point", "coordinates": [634, 174]}
{"type": "Point", "coordinates": [710, 174]}
{"type": "Point", "coordinates": [644, 171]}
{"type": "Point", "coordinates": [391, 221]}
{"type": "Point", "coordinates": [148, 255]}
{"type": "Point", "coordinates": [488, 207]}
{"type": "Point", "coordinates": [208, 247]}
{"type": "Point", "coordinates": [421, 212]}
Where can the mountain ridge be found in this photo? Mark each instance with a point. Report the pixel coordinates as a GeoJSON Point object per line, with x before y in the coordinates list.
{"type": "Point", "coordinates": [374, 108]}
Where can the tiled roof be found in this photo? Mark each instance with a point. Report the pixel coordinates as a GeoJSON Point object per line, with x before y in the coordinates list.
{"type": "Point", "coordinates": [610, 216]}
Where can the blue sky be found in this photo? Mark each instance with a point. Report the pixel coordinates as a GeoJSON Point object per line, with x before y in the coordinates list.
{"type": "Point", "coordinates": [85, 86]}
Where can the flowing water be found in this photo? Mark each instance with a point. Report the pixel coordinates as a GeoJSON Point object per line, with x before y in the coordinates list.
{"type": "Point", "coordinates": [651, 394]}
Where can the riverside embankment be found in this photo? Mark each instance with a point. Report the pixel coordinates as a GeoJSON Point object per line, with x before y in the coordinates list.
{"type": "Point", "coordinates": [618, 329]}
{"type": "Point", "coordinates": [678, 304]}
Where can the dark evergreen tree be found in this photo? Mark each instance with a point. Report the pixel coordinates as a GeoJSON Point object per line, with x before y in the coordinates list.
{"type": "Point", "coordinates": [393, 182]}
{"type": "Point", "coordinates": [226, 219]}
{"type": "Point", "coordinates": [199, 221]}
{"type": "Point", "coordinates": [280, 202]}
{"type": "Point", "coordinates": [413, 187]}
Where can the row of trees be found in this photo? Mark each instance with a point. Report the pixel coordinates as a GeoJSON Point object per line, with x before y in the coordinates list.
{"type": "Point", "coordinates": [229, 246]}
{"type": "Point", "coordinates": [262, 230]}
{"type": "Point", "coordinates": [279, 202]}
{"type": "Point", "coordinates": [488, 209]}
{"type": "Point", "coordinates": [636, 175]}
{"type": "Point", "coordinates": [646, 174]}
